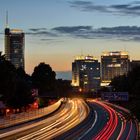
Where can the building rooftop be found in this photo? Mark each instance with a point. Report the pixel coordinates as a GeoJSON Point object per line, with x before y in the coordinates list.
{"type": "Point", "coordinates": [16, 31]}
{"type": "Point", "coordinates": [88, 57]}
{"type": "Point", "coordinates": [115, 53]}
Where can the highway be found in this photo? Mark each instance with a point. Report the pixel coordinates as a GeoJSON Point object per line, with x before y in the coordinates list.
{"type": "Point", "coordinates": [116, 123]}
{"type": "Point", "coordinates": [80, 120]}
{"type": "Point", "coordinates": [74, 111]}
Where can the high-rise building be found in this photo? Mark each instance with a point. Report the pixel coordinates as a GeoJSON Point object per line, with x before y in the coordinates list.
{"type": "Point", "coordinates": [113, 64]}
{"type": "Point", "coordinates": [14, 46]}
{"type": "Point", "coordinates": [86, 73]}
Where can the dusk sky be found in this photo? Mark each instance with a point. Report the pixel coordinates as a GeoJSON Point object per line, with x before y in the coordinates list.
{"type": "Point", "coordinates": [58, 30]}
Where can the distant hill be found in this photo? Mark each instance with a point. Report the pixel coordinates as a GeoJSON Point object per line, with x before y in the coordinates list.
{"type": "Point", "coordinates": [65, 75]}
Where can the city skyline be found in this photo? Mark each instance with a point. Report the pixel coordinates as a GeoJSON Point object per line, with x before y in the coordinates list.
{"type": "Point", "coordinates": [58, 30]}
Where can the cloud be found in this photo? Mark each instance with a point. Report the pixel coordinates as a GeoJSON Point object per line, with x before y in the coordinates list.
{"type": "Point", "coordinates": [51, 40]}
{"type": "Point", "coordinates": [37, 29]}
{"type": "Point", "coordinates": [124, 33]}
{"type": "Point", "coordinates": [78, 2]}
{"type": "Point", "coordinates": [136, 2]}
{"type": "Point", "coordinates": [136, 38]}
{"type": "Point", "coordinates": [88, 32]}
{"type": "Point", "coordinates": [47, 39]}
{"type": "Point", "coordinates": [129, 9]}
{"type": "Point", "coordinates": [72, 29]}
{"type": "Point", "coordinates": [41, 32]}
{"type": "Point", "coordinates": [120, 30]}
{"type": "Point", "coordinates": [75, 31]}
{"type": "Point", "coordinates": [121, 6]}
{"type": "Point", "coordinates": [88, 6]}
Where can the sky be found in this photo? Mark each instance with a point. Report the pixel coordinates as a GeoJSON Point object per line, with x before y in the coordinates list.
{"type": "Point", "coordinates": [58, 30]}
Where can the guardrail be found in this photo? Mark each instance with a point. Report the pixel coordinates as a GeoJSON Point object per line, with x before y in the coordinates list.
{"type": "Point", "coordinates": [23, 117]}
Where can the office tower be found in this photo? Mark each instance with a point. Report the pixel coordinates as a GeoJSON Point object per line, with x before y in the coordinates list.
{"type": "Point", "coordinates": [113, 64]}
{"type": "Point", "coordinates": [86, 73]}
{"type": "Point", "coordinates": [14, 46]}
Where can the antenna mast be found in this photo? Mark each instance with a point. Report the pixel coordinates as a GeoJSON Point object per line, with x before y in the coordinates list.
{"type": "Point", "coordinates": [7, 19]}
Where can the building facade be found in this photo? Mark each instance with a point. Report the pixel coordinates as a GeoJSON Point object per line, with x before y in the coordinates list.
{"type": "Point", "coordinates": [14, 46]}
{"type": "Point", "coordinates": [86, 73]}
{"type": "Point", "coordinates": [113, 64]}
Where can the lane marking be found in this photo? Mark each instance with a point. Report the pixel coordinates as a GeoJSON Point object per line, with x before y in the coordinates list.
{"type": "Point", "coordinates": [96, 117]}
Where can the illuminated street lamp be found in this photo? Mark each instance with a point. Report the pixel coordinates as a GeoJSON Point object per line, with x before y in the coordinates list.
{"type": "Point", "coordinates": [80, 89]}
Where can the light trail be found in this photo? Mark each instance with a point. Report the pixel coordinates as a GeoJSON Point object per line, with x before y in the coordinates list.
{"type": "Point", "coordinates": [114, 126]}
{"type": "Point", "coordinates": [111, 125]}
{"type": "Point", "coordinates": [123, 114]}
{"type": "Point", "coordinates": [49, 121]}
{"type": "Point", "coordinates": [117, 127]}
{"type": "Point", "coordinates": [123, 126]}
{"type": "Point", "coordinates": [129, 130]}
{"type": "Point", "coordinates": [76, 112]}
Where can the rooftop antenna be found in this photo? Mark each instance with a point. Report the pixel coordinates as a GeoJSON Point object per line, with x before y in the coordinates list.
{"type": "Point", "coordinates": [7, 26]}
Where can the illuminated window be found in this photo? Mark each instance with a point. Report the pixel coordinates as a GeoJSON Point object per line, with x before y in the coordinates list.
{"type": "Point", "coordinates": [15, 51]}
{"type": "Point", "coordinates": [85, 83]}
{"type": "Point", "coordinates": [84, 67]}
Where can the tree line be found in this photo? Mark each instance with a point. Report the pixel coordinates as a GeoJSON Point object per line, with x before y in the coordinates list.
{"type": "Point", "coordinates": [128, 83]}
{"type": "Point", "coordinates": [16, 85]}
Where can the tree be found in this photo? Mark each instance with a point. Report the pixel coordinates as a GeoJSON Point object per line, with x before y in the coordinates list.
{"type": "Point", "coordinates": [22, 75]}
{"type": "Point", "coordinates": [43, 78]}
{"type": "Point", "coordinates": [7, 80]}
{"type": "Point", "coordinates": [63, 88]}
{"type": "Point", "coordinates": [134, 81]}
{"type": "Point", "coordinates": [15, 89]}
{"type": "Point", "coordinates": [120, 83]}
{"type": "Point", "coordinates": [22, 96]}
{"type": "Point", "coordinates": [129, 82]}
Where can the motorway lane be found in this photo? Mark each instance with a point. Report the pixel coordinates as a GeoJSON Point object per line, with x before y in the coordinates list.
{"type": "Point", "coordinates": [128, 129]}
{"type": "Point", "coordinates": [74, 112]}
{"type": "Point", "coordinates": [116, 127]}
{"type": "Point", "coordinates": [133, 131]}
{"type": "Point", "coordinates": [129, 123]}
{"type": "Point", "coordinates": [111, 125]}
{"type": "Point", "coordinates": [101, 118]}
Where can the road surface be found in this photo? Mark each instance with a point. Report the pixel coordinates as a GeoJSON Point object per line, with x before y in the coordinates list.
{"type": "Point", "coordinates": [111, 123]}
{"type": "Point", "coordinates": [78, 120]}
{"type": "Point", "coordinates": [74, 112]}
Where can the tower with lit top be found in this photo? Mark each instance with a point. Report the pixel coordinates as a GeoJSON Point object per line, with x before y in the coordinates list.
{"type": "Point", "coordinates": [14, 45]}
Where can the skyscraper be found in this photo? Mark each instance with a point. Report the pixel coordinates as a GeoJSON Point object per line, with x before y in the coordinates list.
{"type": "Point", "coordinates": [14, 46]}
{"type": "Point", "coordinates": [86, 73]}
{"type": "Point", "coordinates": [114, 64]}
